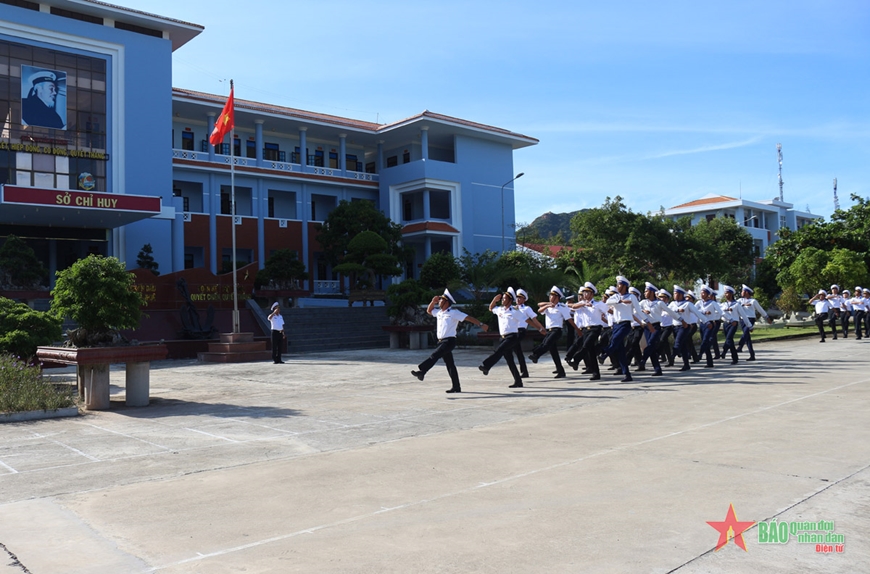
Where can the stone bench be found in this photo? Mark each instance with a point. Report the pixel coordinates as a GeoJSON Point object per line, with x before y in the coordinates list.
{"type": "Point", "coordinates": [92, 370]}
{"type": "Point", "coordinates": [366, 296]}
{"type": "Point", "coordinates": [418, 335]}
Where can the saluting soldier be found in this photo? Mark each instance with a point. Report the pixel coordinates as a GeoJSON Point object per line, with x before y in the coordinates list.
{"type": "Point", "coordinates": [624, 307]}
{"type": "Point", "coordinates": [752, 309]}
{"type": "Point", "coordinates": [733, 317]}
{"type": "Point", "coordinates": [555, 314]}
{"type": "Point", "coordinates": [447, 319]}
{"type": "Point", "coordinates": [823, 309]}
{"type": "Point", "coordinates": [687, 311]}
{"type": "Point", "coordinates": [711, 309]}
{"type": "Point", "coordinates": [509, 320]}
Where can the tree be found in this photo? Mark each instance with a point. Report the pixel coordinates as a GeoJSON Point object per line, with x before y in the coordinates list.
{"type": "Point", "coordinates": [725, 250]}
{"type": "Point", "coordinates": [20, 265]}
{"type": "Point", "coordinates": [439, 271]}
{"type": "Point", "coordinates": [368, 254]}
{"type": "Point", "coordinates": [22, 329]}
{"type": "Point", "coordinates": [478, 271]}
{"type": "Point", "coordinates": [790, 301]}
{"type": "Point", "coordinates": [348, 220]}
{"type": "Point", "coordinates": [97, 293]}
{"type": "Point", "coordinates": [145, 259]}
{"type": "Point", "coordinates": [514, 268]}
{"type": "Point", "coordinates": [405, 299]}
{"type": "Point", "coordinates": [805, 272]}
{"type": "Point", "coordinates": [282, 270]}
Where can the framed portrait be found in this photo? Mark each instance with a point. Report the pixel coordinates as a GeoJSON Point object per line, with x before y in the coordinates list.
{"type": "Point", "coordinates": [43, 97]}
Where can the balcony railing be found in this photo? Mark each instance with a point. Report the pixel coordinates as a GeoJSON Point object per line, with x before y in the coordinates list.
{"type": "Point", "coordinates": [322, 287]}
{"type": "Point", "coordinates": [276, 165]}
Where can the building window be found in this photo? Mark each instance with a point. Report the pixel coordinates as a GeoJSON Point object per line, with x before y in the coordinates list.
{"type": "Point", "coordinates": [225, 203]}
{"type": "Point", "coordinates": [412, 206]}
{"type": "Point", "coordinates": [333, 160]}
{"type": "Point", "coordinates": [370, 167]}
{"type": "Point", "coordinates": [392, 161]}
{"type": "Point", "coordinates": [351, 162]}
{"type": "Point", "coordinates": [406, 157]}
{"type": "Point", "coordinates": [271, 207]}
{"type": "Point", "coordinates": [439, 204]}
{"type": "Point", "coordinates": [187, 140]}
{"type": "Point", "coordinates": [271, 152]}
{"type": "Point", "coordinates": [251, 149]}
{"type": "Point", "coordinates": [318, 158]}
{"type": "Point", "coordinates": [237, 147]}
{"type": "Point", "coordinates": [188, 260]}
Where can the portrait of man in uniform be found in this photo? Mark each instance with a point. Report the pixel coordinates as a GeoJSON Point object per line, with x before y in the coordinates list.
{"type": "Point", "coordinates": [43, 97]}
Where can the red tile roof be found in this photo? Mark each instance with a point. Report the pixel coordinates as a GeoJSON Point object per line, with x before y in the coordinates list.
{"type": "Point", "coordinates": [551, 250]}
{"type": "Point", "coordinates": [706, 201]}
{"type": "Point", "coordinates": [429, 226]}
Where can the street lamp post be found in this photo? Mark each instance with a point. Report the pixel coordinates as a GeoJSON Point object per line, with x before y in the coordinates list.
{"type": "Point", "coordinates": [517, 176]}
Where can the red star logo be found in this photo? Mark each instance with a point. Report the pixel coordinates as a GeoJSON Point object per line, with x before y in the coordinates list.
{"type": "Point", "coordinates": [733, 526]}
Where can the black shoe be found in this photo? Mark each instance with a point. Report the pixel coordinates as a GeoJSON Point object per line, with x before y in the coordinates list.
{"type": "Point", "coordinates": [595, 377]}
{"type": "Point", "coordinates": [524, 375]}
{"type": "Point", "coordinates": [734, 362]}
{"type": "Point", "coordinates": [717, 357]}
{"type": "Point", "coordinates": [709, 365]}
{"type": "Point", "coordinates": [627, 379]}
{"type": "Point", "coordinates": [696, 360]}
{"type": "Point", "coordinates": [586, 372]}
{"type": "Point", "coordinates": [656, 374]}
{"type": "Point", "coordinates": [533, 359]}
{"type": "Point", "coordinates": [670, 364]}
{"type": "Point", "coordinates": [560, 376]}
{"type": "Point", "coordinates": [685, 368]}
{"type": "Point", "coordinates": [483, 370]}
{"type": "Point", "coordinates": [822, 341]}
{"type": "Point", "coordinates": [418, 374]}
{"type": "Point", "coordinates": [611, 367]}
{"type": "Point", "coordinates": [516, 386]}
{"type": "Point", "coordinates": [576, 365]}
{"type": "Point", "coordinates": [752, 358]}
{"type": "Point", "coordinates": [601, 359]}
{"type": "Point", "coordinates": [640, 368]}
{"type": "Point", "coordinates": [453, 391]}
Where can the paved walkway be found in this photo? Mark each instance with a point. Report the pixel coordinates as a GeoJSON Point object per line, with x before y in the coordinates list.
{"type": "Point", "coordinates": [344, 462]}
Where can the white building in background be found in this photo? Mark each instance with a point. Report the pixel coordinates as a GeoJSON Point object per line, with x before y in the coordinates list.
{"type": "Point", "coordinates": [762, 219]}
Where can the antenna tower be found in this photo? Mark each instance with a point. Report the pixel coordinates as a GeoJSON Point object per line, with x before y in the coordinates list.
{"type": "Point", "coordinates": [779, 159]}
{"type": "Point", "coordinates": [836, 201]}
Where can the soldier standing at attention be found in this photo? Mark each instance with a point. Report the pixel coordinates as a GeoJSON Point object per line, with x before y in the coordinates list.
{"type": "Point", "coordinates": [750, 308]}
{"type": "Point", "coordinates": [823, 310]}
{"type": "Point", "coordinates": [277, 322]}
{"type": "Point", "coordinates": [447, 320]}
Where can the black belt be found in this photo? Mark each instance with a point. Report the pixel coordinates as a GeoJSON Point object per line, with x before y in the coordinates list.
{"type": "Point", "coordinates": [445, 339]}
{"type": "Point", "coordinates": [554, 329]}
{"type": "Point", "coordinates": [624, 322]}
{"type": "Point", "coordinates": [509, 335]}
{"type": "Point", "coordinates": [657, 324]}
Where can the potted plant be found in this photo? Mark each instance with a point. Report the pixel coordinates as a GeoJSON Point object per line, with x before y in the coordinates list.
{"type": "Point", "coordinates": [96, 293]}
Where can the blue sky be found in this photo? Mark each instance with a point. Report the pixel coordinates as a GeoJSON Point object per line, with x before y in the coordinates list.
{"type": "Point", "coordinates": [658, 102]}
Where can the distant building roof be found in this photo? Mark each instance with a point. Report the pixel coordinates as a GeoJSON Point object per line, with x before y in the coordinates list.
{"type": "Point", "coordinates": [548, 250]}
{"type": "Point", "coordinates": [706, 200]}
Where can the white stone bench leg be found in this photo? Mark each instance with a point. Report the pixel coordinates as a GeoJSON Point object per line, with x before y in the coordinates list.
{"type": "Point", "coordinates": [95, 379]}
{"type": "Point", "coordinates": [138, 384]}
{"type": "Point", "coordinates": [414, 339]}
{"type": "Point", "coordinates": [394, 340]}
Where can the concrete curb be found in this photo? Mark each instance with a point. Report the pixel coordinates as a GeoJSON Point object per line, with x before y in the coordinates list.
{"type": "Point", "coordinates": [38, 415]}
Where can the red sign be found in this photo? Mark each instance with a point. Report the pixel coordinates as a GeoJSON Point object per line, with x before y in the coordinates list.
{"type": "Point", "coordinates": [80, 199]}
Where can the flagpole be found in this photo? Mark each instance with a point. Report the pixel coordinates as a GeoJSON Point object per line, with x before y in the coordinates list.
{"type": "Point", "coordinates": [233, 220]}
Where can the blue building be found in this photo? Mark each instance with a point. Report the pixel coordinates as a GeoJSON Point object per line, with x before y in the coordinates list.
{"type": "Point", "coordinates": [100, 177]}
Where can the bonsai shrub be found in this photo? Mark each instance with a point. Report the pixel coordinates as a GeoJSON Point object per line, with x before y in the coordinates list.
{"type": "Point", "coordinates": [145, 259]}
{"type": "Point", "coordinates": [22, 388]}
{"type": "Point", "coordinates": [19, 266]}
{"type": "Point", "coordinates": [368, 255]}
{"type": "Point", "coordinates": [405, 299]}
{"type": "Point", "coordinates": [440, 270]}
{"type": "Point", "coordinates": [282, 270]}
{"type": "Point", "coordinates": [22, 329]}
{"type": "Point", "coordinates": [97, 293]}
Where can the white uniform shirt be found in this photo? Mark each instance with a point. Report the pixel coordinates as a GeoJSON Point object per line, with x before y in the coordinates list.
{"type": "Point", "coordinates": [528, 312]}
{"type": "Point", "coordinates": [822, 306]}
{"type": "Point", "coordinates": [836, 301]}
{"type": "Point", "coordinates": [858, 303]}
{"type": "Point", "coordinates": [277, 322]}
{"type": "Point", "coordinates": [751, 307]}
{"type": "Point", "coordinates": [509, 319]}
{"type": "Point", "coordinates": [556, 316]}
{"type": "Point", "coordinates": [733, 311]}
{"type": "Point", "coordinates": [448, 320]}
{"type": "Point", "coordinates": [657, 312]}
{"type": "Point", "coordinates": [688, 312]}
{"type": "Point", "coordinates": [710, 309]}
{"type": "Point", "coordinates": [590, 314]}
{"type": "Point", "coordinates": [624, 307]}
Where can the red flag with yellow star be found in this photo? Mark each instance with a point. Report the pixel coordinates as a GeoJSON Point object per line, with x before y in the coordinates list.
{"type": "Point", "coordinates": [225, 121]}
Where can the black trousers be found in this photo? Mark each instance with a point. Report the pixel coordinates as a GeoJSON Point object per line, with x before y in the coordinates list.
{"type": "Point", "coordinates": [690, 342]}
{"type": "Point", "coordinates": [653, 340]}
{"type": "Point", "coordinates": [277, 345]}
{"type": "Point", "coordinates": [549, 344]}
{"type": "Point", "coordinates": [844, 322]}
{"type": "Point", "coordinates": [716, 352]}
{"type": "Point", "coordinates": [444, 351]}
{"type": "Point", "coordinates": [821, 319]}
{"type": "Point", "coordinates": [859, 319]}
{"type": "Point", "coordinates": [746, 338]}
{"type": "Point", "coordinates": [518, 353]}
{"type": "Point", "coordinates": [730, 330]}
{"type": "Point", "coordinates": [665, 345]}
{"type": "Point", "coordinates": [833, 318]}
{"type": "Point", "coordinates": [589, 350]}
{"type": "Point", "coordinates": [505, 349]}
{"type": "Point", "coordinates": [632, 343]}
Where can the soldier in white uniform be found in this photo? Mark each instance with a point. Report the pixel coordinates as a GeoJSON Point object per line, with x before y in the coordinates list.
{"type": "Point", "coordinates": [693, 326]}
{"type": "Point", "coordinates": [859, 307]}
{"type": "Point", "coordinates": [836, 300]}
{"type": "Point", "coordinates": [522, 297]}
{"type": "Point", "coordinates": [689, 315]}
{"type": "Point", "coordinates": [866, 297]}
{"type": "Point", "coordinates": [654, 311]}
{"type": "Point", "coordinates": [447, 319]}
{"type": "Point", "coordinates": [591, 315]}
{"type": "Point", "coordinates": [509, 321]}
{"type": "Point", "coordinates": [823, 310]}
{"type": "Point", "coordinates": [668, 329]}
{"type": "Point", "coordinates": [752, 309]}
{"type": "Point", "coordinates": [625, 307]}
{"type": "Point", "coordinates": [711, 309]}
{"type": "Point", "coordinates": [556, 314]}
{"type": "Point", "coordinates": [733, 317]}
{"type": "Point", "coordinates": [846, 313]}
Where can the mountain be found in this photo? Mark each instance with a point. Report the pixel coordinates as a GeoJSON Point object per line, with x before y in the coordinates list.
{"type": "Point", "coordinates": [546, 227]}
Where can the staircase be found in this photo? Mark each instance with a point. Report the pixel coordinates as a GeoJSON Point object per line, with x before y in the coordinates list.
{"type": "Point", "coordinates": [317, 329]}
{"type": "Point", "coordinates": [236, 348]}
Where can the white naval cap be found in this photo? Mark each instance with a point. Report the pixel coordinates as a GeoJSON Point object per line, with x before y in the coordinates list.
{"type": "Point", "coordinates": [835, 286]}
{"type": "Point", "coordinates": [678, 289]}
{"type": "Point", "coordinates": [275, 304]}
{"type": "Point", "coordinates": [649, 287]}
{"type": "Point", "coordinates": [746, 287]}
{"type": "Point", "coordinates": [523, 293]}
{"type": "Point", "coordinates": [664, 293]}
{"type": "Point", "coordinates": [866, 290]}
{"type": "Point", "coordinates": [557, 291]}
{"type": "Point", "coordinates": [691, 294]}
{"type": "Point", "coordinates": [728, 289]}
{"type": "Point", "coordinates": [846, 292]}
{"type": "Point", "coordinates": [510, 291]}
{"type": "Point", "coordinates": [448, 296]}
{"type": "Point", "coordinates": [588, 286]}
{"type": "Point", "coordinates": [623, 280]}
{"type": "Point", "coordinates": [822, 292]}
{"type": "Point", "coordinates": [634, 291]}
{"type": "Point", "coordinates": [42, 76]}
{"type": "Point", "coordinates": [707, 290]}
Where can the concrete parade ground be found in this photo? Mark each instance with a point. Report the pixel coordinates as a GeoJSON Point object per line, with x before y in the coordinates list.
{"type": "Point", "coordinates": [344, 462]}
